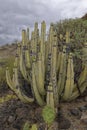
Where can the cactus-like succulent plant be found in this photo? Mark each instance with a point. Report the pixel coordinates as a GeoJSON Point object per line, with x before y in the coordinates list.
{"type": "Point", "coordinates": [48, 115]}
{"type": "Point", "coordinates": [43, 71]}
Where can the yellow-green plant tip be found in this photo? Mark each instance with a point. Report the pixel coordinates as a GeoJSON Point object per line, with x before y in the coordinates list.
{"type": "Point", "coordinates": [26, 126]}
{"type": "Point", "coordinates": [34, 127]}
{"type": "Point", "coordinates": [7, 98]}
{"type": "Point", "coordinates": [48, 114]}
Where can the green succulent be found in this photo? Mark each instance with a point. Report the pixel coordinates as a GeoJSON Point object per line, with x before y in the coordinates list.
{"type": "Point", "coordinates": [48, 114]}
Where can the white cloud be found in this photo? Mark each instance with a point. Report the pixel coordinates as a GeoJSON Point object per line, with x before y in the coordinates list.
{"type": "Point", "coordinates": [18, 14]}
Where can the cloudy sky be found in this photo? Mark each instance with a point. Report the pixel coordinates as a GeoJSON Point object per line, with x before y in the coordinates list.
{"type": "Point", "coordinates": [18, 14]}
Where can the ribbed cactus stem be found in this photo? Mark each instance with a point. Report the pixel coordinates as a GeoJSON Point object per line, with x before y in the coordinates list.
{"type": "Point", "coordinates": [42, 46]}
{"type": "Point", "coordinates": [43, 37]}
{"type": "Point", "coordinates": [27, 59]}
{"type": "Point", "coordinates": [82, 82]}
{"type": "Point", "coordinates": [48, 69]}
{"type": "Point", "coordinates": [35, 26]}
{"type": "Point", "coordinates": [38, 43]}
{"type": "Point", "coordinates": [48, 61]}
{"type": "Point", "coordinates": [36, 39]}
{"type": "Point", "coordinates": [17, 87]}
{"type": "Point", "coordinates": [28, 35]}
{"type": "Point", "coordinates": [67, 36]}
{"type": "Point", "coordinates": [43, 32]}
{"type": "Point", "coordinates": [24, 38]}
{"type": "Point", "coordinates": [50, 38]}
{"type": "Point", "coordinates": [51, 32]}
{"type": "Point", "coordinates": [54, 52]}
{"type": "Point", "coordinates": [59, 62]}
{"type": "Point", "coordinates": [9, 80]}
{"type": "Point", "coordinates": [16, 63]}
{"type": "Point", "coordinates": [62, 73]}
{"type": "Point", "coordinates": [23, 67]}
{"type": "Point", "coordinates": [50, 96]}
{"type": "Point", "coordinates": [36, 35]}
{"type": "Point", "coordinates": [33, 47]}
{"type": "Point", "coordinates": [18, 49]}
{"type": "Point", "coordinates": [69, 86]}
{"type": "Point", "coordinates": [54, 68]}
{"type": "Point", "coordinates": [62, 70]}
{"type": "Point", "coordinates": [40, 78]}
{"type": "Point", "coordinates": [35, 32]}
{"type": "Point", "coordinates": [38, 97]}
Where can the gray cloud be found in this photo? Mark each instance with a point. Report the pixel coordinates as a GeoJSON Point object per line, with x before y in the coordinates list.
{"type": "Point", "coordinates": [18, 14]}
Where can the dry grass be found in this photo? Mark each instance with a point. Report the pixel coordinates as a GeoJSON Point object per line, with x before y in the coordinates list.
{"type": "Point", "coordinates": [7, 55]}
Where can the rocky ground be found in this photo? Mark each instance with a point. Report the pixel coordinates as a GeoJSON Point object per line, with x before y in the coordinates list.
{"type": "Point", "coordinates": [14, 113]}
{"type": "Point", "coordinates": [71, 116]}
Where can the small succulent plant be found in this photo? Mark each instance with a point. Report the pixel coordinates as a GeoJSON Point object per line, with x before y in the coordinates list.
{"type": "Point", "coordinates": [48, 114]}
{"type": "Point", "coordinates": [28, 126]}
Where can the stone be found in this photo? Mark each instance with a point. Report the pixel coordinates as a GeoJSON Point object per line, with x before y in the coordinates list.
{"type": "Point", "coordinates": [82, 108]}
{"type": "Point", "coordinates": [85, 106]}
{"type": "Point", "coordinates": [64, 124]}
{"type": "Point", "coordinates": [18, 124]}
{"type": "Point", "coordinates": [75, 112]}
{"type": "Point", "coordinates": [84, 118]}
{"type": "Point", "coordinates": [41, 126]}
{"type": "Point", "coordinates": [54, 126]}
{"type": "Point", "coordinates": [11, 119]}
{"type": "Point", "coordinates": [85, 99]}
{"type": "Point", "coordinates": [21, 112]}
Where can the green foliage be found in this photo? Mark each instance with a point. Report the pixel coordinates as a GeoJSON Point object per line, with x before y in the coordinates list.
{"type": "Point", "coordinates": [48, 114]}
{"type": "Point", "coordinates": [34, 127]}
{"type": "Point", "coordinates": [78, 33]}
{"type": "Point", "coordinates": [26, 126]}
{"type": "Point", "coordinates": [77, 27]}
